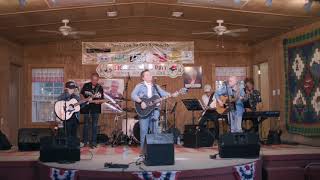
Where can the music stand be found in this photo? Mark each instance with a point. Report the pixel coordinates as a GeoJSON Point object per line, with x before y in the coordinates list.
{"type": "Point", "coordinates": [192, 105]}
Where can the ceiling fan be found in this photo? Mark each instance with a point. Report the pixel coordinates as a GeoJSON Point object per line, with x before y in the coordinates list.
{"type": "Point", "coordinates": [66, 30]}
{"type": "Point", "coordinates": [222, 30]}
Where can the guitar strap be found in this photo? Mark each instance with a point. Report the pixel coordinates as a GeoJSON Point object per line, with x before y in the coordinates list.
{"type": "Point", "coordinates": [210, 99]}
{"type": "Point", "coordinates": [156, 88]}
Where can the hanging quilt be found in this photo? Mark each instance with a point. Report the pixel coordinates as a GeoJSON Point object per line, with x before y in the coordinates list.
{"type": "Point", "coordinates": [302, 76]}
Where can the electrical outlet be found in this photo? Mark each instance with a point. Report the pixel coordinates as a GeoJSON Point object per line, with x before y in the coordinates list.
{"type": "Point", "coordinates": [273, 92]}
{"type": "Point", "coordinates": [278, 92]}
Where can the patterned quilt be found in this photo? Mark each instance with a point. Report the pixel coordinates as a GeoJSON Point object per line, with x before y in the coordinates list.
{"type": "Point", "coordinates": [302, 73]}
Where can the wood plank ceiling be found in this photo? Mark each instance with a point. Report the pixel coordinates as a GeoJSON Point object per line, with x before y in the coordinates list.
{"type": "Point", "coordinates": [151, 17]}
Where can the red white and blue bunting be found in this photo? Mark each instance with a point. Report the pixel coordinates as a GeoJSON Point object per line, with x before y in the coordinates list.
{"type": "Point", "coordinates": [245, 171]}
{"type": "Point", "coordinates": [164, 175]}
{"type": "Point", "coordinates": [60, 174]}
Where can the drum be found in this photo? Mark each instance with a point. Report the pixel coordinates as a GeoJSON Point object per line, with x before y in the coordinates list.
{"type": "Point", "coordinates": [131, 123]}
{"type": "Point", "coordinates": [136, 131]}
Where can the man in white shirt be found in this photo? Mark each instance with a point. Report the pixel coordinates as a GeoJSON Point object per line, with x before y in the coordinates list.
{"type": "Point", "coordinates": [209, 103]}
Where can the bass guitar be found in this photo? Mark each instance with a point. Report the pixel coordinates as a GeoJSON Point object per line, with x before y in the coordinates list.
{"type": "Point", "coordinates": [72, 106]}
{"type": "Point", "coordinates": [153, 102]}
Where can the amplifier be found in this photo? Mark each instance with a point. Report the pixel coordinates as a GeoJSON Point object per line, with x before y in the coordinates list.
{"type": "Point", "coordinates": [29, 138]}
{"type": "Point", "coordinates": [194, 137]}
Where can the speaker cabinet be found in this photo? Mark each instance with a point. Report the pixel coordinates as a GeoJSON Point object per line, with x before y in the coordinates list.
{"type": "Point", "coordinates": [29, 138]}
{"type": "Point", "coordinates": [158, 149]}
{"type": "Point", "coordinates": [239, 145]}
{"type": "Point", "coordinates": [194, 137]}
{"type": "Point", "coordinates": [57, 149]}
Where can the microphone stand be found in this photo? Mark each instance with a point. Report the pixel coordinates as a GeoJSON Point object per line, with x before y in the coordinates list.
{"type": "Point", "coordinates": [126, 115]}
{"type": "Point", "coordinates": [229, 103]}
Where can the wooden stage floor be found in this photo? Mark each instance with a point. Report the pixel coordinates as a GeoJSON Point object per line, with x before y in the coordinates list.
{"type": "Point", "coordinates": [186, 160]}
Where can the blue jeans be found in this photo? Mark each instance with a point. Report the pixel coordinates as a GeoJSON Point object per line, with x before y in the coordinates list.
{"type": "Point", "coordinates": [94, 128]}
{"type": "Point", "coordinates": [149, 122]}
{"type": "Point", "coordinates": [235, 119]}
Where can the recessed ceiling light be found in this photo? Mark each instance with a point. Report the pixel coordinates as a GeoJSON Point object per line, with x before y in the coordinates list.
{"type": "Point", "coordinates": [177, 14]}
{"type": "Point", "coordinates": [112, 13]}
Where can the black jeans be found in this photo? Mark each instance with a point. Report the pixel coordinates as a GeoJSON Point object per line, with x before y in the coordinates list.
{"type": "Point", "coordinates": [72, 127]}
{"type": "Point", "coordinates": [94, 117]}
{"type": "Point", "coordinates": [210, 115]}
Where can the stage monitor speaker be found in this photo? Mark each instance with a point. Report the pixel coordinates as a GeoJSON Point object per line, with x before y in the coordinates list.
{"type": "Point", "coordinates": [58, 149]}
{"type": "Point", "coordinates": [194, 137]}
{"type": "Point", "coordinates": [239, 145]}
{"type": "Point", "coordinates": [29, 138]}
{"type": "Point", "coordinates": [158, 149]}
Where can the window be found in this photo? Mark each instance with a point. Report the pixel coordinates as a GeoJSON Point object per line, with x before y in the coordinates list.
{"type": "Point", "coordinates": [223, 73]}
{"type": "Point", "coordinates": [47, 85]}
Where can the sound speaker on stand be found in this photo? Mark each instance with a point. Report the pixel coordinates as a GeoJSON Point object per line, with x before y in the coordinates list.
{"type": "Point", "coordinates": [158, 149]}
{"type": "Point", "coordinates": [239, 145]}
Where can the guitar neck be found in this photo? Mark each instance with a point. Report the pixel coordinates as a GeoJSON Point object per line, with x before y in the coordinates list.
{"type": "Point", "coordinates": [163, 98]}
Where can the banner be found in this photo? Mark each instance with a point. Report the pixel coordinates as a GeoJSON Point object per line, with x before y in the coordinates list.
{"type": "Point", "coordinates": [108, 70]}
{"type": "Point", "coordinates": [138, 52]}
{"type": "Point", "coordinates": [302, 77]}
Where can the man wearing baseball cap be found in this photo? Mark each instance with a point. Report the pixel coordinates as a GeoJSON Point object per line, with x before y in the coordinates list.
{"type": "Point", "coordinates": [209, 103]}
{"type": "Point", "coordinates": [73, 122]}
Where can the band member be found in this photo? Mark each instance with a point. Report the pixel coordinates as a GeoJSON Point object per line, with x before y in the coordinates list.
{"type": "Point", "coordinates": [92, 110]}
{"type": "Point", "coordinates": [209, 103]}
{"type": "Point", "coordinates": [147, 89]}
{"type": "Point", "coordinates": [252, 101]}
{"type": "Point", "coordinates": [68, 94]}
{"type": "Point", "coordinates": [232, 88]}
{"type": "Point", "coordinates": [253, 96]}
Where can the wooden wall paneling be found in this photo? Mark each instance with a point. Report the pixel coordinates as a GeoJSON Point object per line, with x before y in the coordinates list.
{"type": "Point", "coordinates": [68, 54]}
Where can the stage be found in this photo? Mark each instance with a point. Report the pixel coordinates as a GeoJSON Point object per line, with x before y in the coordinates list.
{"type": "Point", "coordinates": [275, 161]}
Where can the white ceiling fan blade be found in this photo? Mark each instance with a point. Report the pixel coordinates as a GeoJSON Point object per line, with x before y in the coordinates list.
{"type": "Point", "coordinates": [232, 34]}
{"type": "Point", "coordinates": [199, 33]}
{"type": "Point", "coordinates": [237, 30]}
{"type": "Point", "coordinates": [49, 31]}
{"type": "Point", "coordinates": [83, 32]}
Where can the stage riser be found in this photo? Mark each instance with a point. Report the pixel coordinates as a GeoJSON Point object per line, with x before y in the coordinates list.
{"type": "Point", "coordinates": [291, 167]}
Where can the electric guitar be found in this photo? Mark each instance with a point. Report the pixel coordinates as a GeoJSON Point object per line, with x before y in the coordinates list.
{"type": "Point", "coordinates": [72, 106]}
{"type": "Point", "coordinates": [227, 105]}
{"type": "Point", "coordinates": [153, 102]}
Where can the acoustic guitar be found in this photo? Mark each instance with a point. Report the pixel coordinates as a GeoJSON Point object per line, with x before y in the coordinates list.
{"type": "Point", "coordinates": [227, 105]}
{"type": "Point", "coordinates": [72, 106]}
